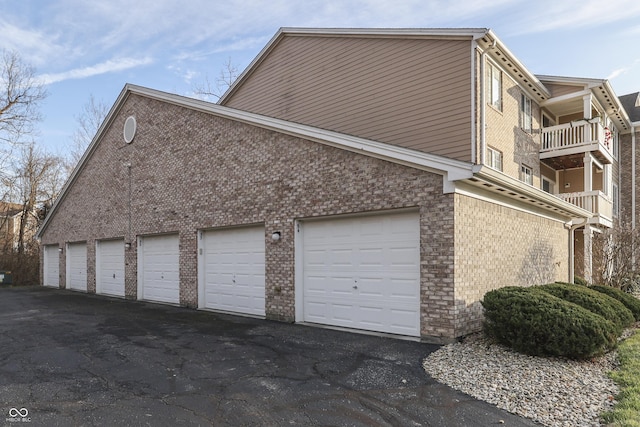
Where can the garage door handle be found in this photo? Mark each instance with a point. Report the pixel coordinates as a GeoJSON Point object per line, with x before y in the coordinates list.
{"type": "Point", "coordinates": [355, 286]}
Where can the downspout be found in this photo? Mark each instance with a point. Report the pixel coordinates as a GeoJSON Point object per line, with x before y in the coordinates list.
{"type": "Point", "coordinates": [633, 177]}
{"type": "Point", "coordinates": [483, 103]}
{"type": "Point", "coordinates": [572, 228]}
{"type": "Point", "coordinates": [474, 47]}
{"type": "Point", "coordinates": [633, 189]}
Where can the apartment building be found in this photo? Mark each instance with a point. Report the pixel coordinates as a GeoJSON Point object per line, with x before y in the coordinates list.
{"type": "Point", "coordinates": [379, 180]}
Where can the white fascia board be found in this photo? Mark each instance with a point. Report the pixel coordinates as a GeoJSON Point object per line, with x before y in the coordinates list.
{"type": "Point", "coordinates": [473, 33]}
{"type": "Point", "coordinates": [578, 81]}
{"type": "Point", "coordinates": [450, 169]}
{"type": "Point", "coordinates": [532, 78]}
{"type": "Point", "coordinates": [72, 177]}
{"type": "Point", "coordinates": [487, 174]}
{"type": "Point", "coordinates": [454, 169]}
{"type": "Point", "coordinates": [566, 97]}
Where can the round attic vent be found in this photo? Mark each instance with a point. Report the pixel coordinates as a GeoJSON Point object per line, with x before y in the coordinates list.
{"type": "Point", "coordinates": [129, 130]}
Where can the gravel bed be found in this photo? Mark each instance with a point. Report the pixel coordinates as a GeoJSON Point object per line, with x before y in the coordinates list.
{"type": "Point", "coordinates": [550, 391]}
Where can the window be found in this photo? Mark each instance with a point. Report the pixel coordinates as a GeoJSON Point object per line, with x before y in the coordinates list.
{"type": "Point", "coordinates": [547, 185]}
{"type": "Point", "coordinates": [494, 85]}
{"type": "Point", "coordinates": [526, 119]}
{"type": "Point", "coordinates": [547, 121]}
{"type": "Point", "coordinates": [495, 158]}
{"type": "Point", "coordinates": [615, 200]}
{"type": "Point", "coordinates": [526, 174]}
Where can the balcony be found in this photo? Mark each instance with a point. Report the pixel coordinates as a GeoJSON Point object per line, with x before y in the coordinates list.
{"type": "Point", "coordinates": [593, 201]}
{"type": "Point", "coordinates": [576, 138]}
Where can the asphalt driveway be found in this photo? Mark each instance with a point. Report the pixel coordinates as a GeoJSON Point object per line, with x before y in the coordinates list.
{"type": "Point", "coordinates": [76, 359]}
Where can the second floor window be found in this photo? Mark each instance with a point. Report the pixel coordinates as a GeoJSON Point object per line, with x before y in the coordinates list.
{"type": "Point", "coordinates": [615, 200]}
{"type": "Point", "coordinates": [494, 86]}
{"type": "Point", "coordinates": [495, 158]}
{"type": "Point", "coordinates": [526, 118]}
{"type": "Point", "coordinates": [526, 174]}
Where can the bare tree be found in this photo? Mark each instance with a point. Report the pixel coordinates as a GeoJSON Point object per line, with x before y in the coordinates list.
{"type": "Point", "coordinates": [38, 180]}
{"type": "Point", "coordinates": [613, 253]}
{"type": "Point", "coordinates": [213, 92]}
{"type": "Point", "coordinates": [89, 121]}
{"type": "Point", "coordinates": [20, 97]}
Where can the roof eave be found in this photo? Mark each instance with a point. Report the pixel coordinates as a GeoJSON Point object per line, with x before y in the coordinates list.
{"type": "Point", "coordinates": [451, 169]}
{"type": "Point", "coordinates": [518, 190]}
{"type": "Point", "coordinates": [529, 79]}
{"type": "Point", "coordinates": [72, 177]}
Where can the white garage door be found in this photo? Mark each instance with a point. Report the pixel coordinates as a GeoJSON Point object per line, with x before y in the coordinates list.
{"type": "Point", "coordinates": [363, 273]}
{"type": "Point", "coordinates": [77, 266]}
{"type": "Point", "coordinates": [158, 261]}
{"type": "Point", "coordinates": [232, 270]}
{"type": "Point", "coordinates": [110, 267]}
{"type": "Point", "coordinates": [51, 268]}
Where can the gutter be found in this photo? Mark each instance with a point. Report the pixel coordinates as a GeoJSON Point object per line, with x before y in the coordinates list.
{"type": "Point", "coordinates": [498, 179]}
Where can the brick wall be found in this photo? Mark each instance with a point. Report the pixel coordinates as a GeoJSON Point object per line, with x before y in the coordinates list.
{"type": "Point", "coordinates": [498, 246]}
{"type": "Point", "coordinates": [626, 177]}
{"type": "Point", "coordinates": [503, 132]}
{"type": "Point", "coordinates": [191, 171]}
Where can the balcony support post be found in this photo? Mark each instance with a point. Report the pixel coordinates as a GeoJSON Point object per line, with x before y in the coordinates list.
{"type": "Point", "coordinates": [586, 100]}
{"type": "Point", "coordinates": [588, 177]}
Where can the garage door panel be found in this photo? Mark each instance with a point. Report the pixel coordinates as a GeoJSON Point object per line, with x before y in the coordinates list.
{"type": "Point", "coordinates": [317, 312]}
{"type": "Point", "coordinates": [51, 266]}
{"type": "Point", "coordinates": [402, 289]}
{"type": "Point", "coordinates": [234, 270]}
{"type": "Point", "coordinates": [379, 256]}
{"type": "Point", "coordinates": [342, 313]}
{"type": "Point", "coordinates": [110, 267]}
{"type": "Point", "coordinates": [160, 257]}
{"type": "Point", "coordinates": [77, 266]}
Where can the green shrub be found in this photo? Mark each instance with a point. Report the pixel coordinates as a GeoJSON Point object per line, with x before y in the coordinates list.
{"type": "Point", "coordinates": [535, 322]}
{"type": "Point", "coordinates": [631, 302]}
{"type": "Point", "coordinates": [596, 302]}
{"type": "Point", "coordinates": [577, 280]}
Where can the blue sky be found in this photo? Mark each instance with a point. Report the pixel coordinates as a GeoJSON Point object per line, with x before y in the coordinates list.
{"type": "Point", "coordinates": [82, 48]}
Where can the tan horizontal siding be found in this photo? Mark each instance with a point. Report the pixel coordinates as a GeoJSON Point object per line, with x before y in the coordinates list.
{"type": "Point", "coordinates": [415, 93]}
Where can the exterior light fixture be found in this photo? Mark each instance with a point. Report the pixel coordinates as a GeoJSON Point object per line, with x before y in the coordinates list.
{"type": "Point", "coordinates": [276, 236]}
{"type": "Point", "coordinates": [60, 249]}
{"type": "Point", "coordinates": [127, 245]}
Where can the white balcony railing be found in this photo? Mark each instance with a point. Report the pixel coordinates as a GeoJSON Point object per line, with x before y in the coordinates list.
{"type": "Point", "coordinates": [595, 202]}
{"type": "Point", "coordinates": [577, 134]}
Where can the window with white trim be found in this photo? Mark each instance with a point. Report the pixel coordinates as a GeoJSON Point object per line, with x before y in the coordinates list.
{"type": "Point", "coordinates": [616, 200]}
{"type": "Point", "coordinates": [547, 185]}
{"type": "Point", "coordinates": [494, 86]}
{"type": "Point", "coordinates": [526, 118]}
{"type": "Point", "coordinates": [526, 174]}
{"type": "Point", "coordinates": [494, 158]}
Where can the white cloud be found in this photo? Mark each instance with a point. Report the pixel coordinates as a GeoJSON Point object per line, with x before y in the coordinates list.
{"type": "Point", "coordinates": [109, 66]}
{"type": "Point", "coordinates": [33, 45]}
{"type": "Point", "coordinates": [550, 15]}
{"type": "Point", "coordinates": [618, 72]}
